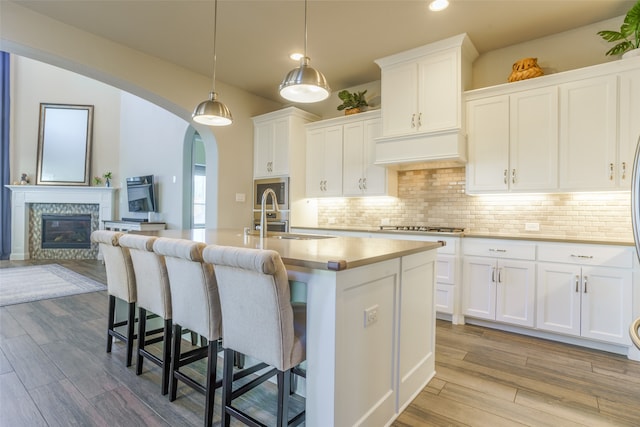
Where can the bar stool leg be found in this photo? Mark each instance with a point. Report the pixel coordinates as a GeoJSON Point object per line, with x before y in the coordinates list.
{"type": "Point", "coordinates": [111, 321]}
{"type": "Point", "coordinates": [130, 331]}
{"type": "Point", "coordinates": [142, 333]}
{"type": "Point", "coordinates": [166, 356]}
{"type": "Point", "coordinates": [284, 384]}
{"type": "Point", "coordinates": [227, 382]}
{"type": "Point", "coordinates": [175, 358]}
{"type": "Point", "coordinates": [212, 362]}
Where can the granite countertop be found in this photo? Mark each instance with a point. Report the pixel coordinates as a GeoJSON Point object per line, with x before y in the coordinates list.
{"type": "Point", "coordinates": [468, 234]}
{"type": "Point", "coordinates": [310, 251]}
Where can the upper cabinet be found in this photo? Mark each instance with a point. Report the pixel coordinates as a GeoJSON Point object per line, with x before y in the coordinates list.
{"type": "Point", "coordinates": [588, 114]}
{"type": "Point", "coordinates": [422, 115]}
{"type": "Point", "coordinates": [571, 131]}
{"type": "Point", "coordinates": [274, 137]}
{"type": "Point", "coordinates": [340, 158]}
{"type": "Point", "coordinates": [513, 142]}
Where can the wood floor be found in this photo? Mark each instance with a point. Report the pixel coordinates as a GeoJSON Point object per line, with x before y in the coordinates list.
{"type": "Point", "coordinates": [54, 371]}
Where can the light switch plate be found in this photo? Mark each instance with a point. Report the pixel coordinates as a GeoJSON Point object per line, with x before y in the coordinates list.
{"type": "Point", "coordinates": [240, 197]}
{"type": "Point", "coordinates": [532, 226]}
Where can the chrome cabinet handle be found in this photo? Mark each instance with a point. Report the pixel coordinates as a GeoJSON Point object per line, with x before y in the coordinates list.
{"type": "Point", "coordinates": [364, 183]}
{"type": "Point", "coordinates": [497, 250]}
{"type": "Point", "coordinates": [610, 171]}
{"type": "Point", "coordinates": [493, 274]}
{"type": "Point", "coordinates": [499, 275]}
{"type": "Point", "coordinates": [504, 176]}
{"type": "Point", "coordinates": [360, 183]}
{"type": "Point", "coordinates": [513, 176]}
{"type": "Point", "coordinates": [577, 282]}
{"type": "Point", "coordinates": [624, 170]}
{"type": "Point", "coordinates": [585, 284]}
{"type": "Point", "coordinates": [582, 256]}
{"type": "Point", "coordinates": [413, 120]}
{"type": "Point", "coordinates": [419, 120]}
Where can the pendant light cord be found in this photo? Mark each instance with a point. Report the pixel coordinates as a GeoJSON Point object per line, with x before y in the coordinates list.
{"type": "Point", "coordinates": [305, 29]}
{"type": "Point", "coordinates": [215, 30]}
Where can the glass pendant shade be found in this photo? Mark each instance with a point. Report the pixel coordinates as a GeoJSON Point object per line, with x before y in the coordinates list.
{"type": "Point", "coordinates": [304, 84]}
{"type": "Point", "coordinates": [212, 112]}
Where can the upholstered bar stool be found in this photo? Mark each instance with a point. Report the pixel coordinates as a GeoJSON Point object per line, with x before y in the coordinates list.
{"type": "Point", "coordinates": [196, 306]}
{"type": "Point", "coordinates": [121, 283]}
{"type": "Point", "coordinates": [259, 321]}
{"type": "Point", "coordinates": [152, 282]}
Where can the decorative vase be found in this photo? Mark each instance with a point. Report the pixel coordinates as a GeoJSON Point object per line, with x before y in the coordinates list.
{"type": "Point", "coordinates": [107, 182]}
{"type": "Point", "coordinates": [631, 53]}
{"type": "Point", "coordinates": [350, 111]}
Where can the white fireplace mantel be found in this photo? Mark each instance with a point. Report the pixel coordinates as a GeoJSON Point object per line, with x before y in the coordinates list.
{"type": "Point", "coordinates": [23, 195]}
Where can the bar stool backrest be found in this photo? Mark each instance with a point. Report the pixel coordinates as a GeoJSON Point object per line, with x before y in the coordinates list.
{"type": "Point", "coordinates": [121, 281]}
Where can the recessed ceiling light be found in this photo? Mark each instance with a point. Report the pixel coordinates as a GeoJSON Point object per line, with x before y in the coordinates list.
{"type": "Point", "coordinates": [438, 5]}
{"type": "Point", "coordinates": [296, 56]}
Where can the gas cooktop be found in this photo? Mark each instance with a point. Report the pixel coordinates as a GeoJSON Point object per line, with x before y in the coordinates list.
{"type": "Point", "coordinates": [422, 228]}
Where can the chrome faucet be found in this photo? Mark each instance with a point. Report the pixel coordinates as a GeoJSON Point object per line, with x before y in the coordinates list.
{"type": "Point", "coordinates": [263, 209]}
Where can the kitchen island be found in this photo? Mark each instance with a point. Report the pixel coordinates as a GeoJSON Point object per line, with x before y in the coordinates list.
{"type": "Point", "coordinates": [370, 319]}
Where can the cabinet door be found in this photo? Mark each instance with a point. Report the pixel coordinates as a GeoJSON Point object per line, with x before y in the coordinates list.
{"type": "Point", "coordinates": [488, 144]}
{"type": "Point", "coordinates": [375, 176]}
{"type": "Point", "coordinates": [515, 292]}
{"type": "Point", "coordinates": [280, 159]}
{"type": "Point", "coordinates": [315, 163]}
{"type": "Point", "coordinates": [438, 93]}
{"type": "Point", "coordinates": [444, 298]}
{"type": "Point", "coordinates": [263, 150]}
{"type": "Point", "coordinates": [324, 162]}
{"type": "Point", "coordinates": [353, 161]}
{"type": "Point", "coordinates": [558, 298]}
{"type": "Point", "coordinates": [606, 304]}
{"type": "Point", "coordinates": [399, 88]}
{"type": "Point", "coordinates": [533, 152]}
{"type": "Point", "coordinates": [629, 125]}
{"type": "Point", "coordinates": [332, 161]}
{"type": "Point", "coordinates": [588, 121]}
{"type": "Point", "coordinates": [479, 290]}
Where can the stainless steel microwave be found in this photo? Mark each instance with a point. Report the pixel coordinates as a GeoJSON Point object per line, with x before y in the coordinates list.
{"type": "Point", "coordinates": [279, 185]}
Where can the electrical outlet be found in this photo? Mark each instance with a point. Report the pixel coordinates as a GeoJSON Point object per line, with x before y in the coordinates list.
{"type": "Point", "coordinates": [385, 221]}
{"type": "Point", "coordinates": [370, 315]}
{"type": "Point", "coordinates": [532, 226]}
{"type": "Point", "coordinates": [332, 220]}
{"type": "Point", "coordinates": [240, 197]}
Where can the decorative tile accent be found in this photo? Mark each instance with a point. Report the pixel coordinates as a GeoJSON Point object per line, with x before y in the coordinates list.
{"type": "Point", "coordinates": [35, 230]}
{"type": "Point", "coordinates": [437, 197]}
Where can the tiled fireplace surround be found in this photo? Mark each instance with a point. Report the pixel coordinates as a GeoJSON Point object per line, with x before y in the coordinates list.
{"type": "Point", "coordinates": [29, 202]}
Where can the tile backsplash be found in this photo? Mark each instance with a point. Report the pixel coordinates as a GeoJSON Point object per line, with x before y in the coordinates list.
{"type": "Point", "coordinates": [437, 197]}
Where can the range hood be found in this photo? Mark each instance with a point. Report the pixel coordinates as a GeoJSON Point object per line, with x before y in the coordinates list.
{"type": "Point", "coordinates": [429, 150]}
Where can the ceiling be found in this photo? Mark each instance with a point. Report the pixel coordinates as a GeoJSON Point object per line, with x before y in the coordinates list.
{"type": "Point", "coordinates": [255, 37]}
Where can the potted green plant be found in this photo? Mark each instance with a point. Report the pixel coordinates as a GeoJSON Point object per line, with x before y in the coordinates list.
{"type": "Point", "coordinates": [107, 178]}
{"type": "Point", "coordinates": [351, 101]}
{"type": "Point", "coordinates": [629, 34]}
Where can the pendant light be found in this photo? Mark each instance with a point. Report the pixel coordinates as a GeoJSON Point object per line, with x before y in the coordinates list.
{"type": "Point", "coordinates": [304, 84]}
{"type": "Point", "coordinates": [213, 112]}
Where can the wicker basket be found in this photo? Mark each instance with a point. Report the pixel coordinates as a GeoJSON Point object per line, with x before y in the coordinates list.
{"type": "Point", "coordinates": [525, 68]}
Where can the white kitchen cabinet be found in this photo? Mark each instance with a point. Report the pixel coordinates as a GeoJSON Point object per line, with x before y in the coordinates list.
{"type": "Point", "coordinates": [629, 133]}
{"type": "Point", "coordinates": [496, 287]}
{"type": "Point", "coordinates": [275, 135]}
{"type": "Point", "coordinates": [421, 90]}
{"type": "Point", "coordinates": [588, 134]}
{"type": "Point", "coordinates": [513, 142]}
{"type": "Point", "coordinates": [324, 162]}
{"type": "Point", "coordinates": [361, 177]}
{"type": "Point", "coordinates": [586, 291]}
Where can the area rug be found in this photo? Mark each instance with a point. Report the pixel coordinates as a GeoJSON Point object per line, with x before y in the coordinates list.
{"type": "Point", "coordinates": [38, 282]}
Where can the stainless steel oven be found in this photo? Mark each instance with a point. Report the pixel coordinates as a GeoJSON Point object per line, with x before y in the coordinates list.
{"type": "Point", "coordinates": [279, 185]}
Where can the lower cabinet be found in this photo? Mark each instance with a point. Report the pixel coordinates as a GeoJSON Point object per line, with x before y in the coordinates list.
{"type": "Point", "coordinates": [498, 289]}
{"type": "Point", "coordinates": [590, 302]}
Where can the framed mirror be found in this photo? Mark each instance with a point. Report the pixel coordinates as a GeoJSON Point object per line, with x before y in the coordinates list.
{"type": "Point", "coordinates": [64, 144]}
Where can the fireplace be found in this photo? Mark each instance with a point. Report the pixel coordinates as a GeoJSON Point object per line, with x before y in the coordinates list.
{"type": "Point", "coordinates": [71, 231]}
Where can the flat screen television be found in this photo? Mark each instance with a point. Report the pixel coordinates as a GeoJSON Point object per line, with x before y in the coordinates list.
{"type": "Point", "coordinates": [141, 195]}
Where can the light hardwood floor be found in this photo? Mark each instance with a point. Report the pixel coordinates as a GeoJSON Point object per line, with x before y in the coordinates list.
{"type": "Point", "coordinates": [54, 371]}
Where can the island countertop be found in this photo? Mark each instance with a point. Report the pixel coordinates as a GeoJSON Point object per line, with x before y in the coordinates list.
{"type": "Point", "coordinates": [310, 251]}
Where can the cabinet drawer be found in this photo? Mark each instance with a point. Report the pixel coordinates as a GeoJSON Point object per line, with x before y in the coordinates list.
{"type": "Point", "coordinates": [605, 256]}
{"type": "Point", "coordinates": [499, 248]}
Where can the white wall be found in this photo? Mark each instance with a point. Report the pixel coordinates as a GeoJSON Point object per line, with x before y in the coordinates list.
{"type": "Point", "coordinates": [34, 82]}
{"type": "Point", "coordinates": [151, 143]}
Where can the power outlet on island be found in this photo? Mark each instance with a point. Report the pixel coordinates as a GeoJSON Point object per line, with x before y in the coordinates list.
{"type": "Point", "coordinates": [370, 315]}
